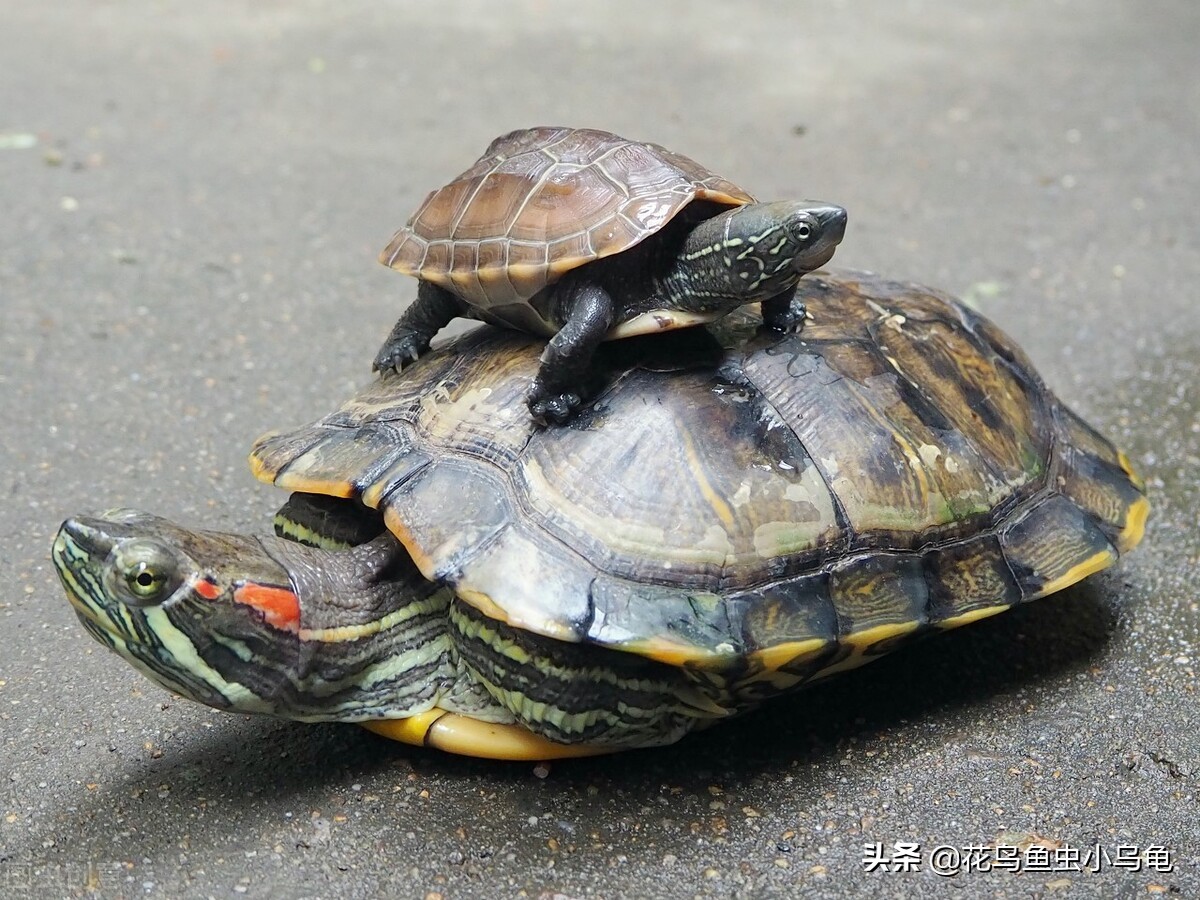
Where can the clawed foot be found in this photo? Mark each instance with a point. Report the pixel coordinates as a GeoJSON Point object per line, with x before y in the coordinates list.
{"type": "Point", "coordinates": [788, 320]}
{"type": "Point", "coordinates": [548, 405]}
{"type": "Point", "coordinates": [399, 351]}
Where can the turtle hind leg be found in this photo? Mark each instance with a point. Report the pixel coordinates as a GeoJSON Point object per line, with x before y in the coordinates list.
{"type": "Point", "coordinates": [430, 313]}
{"type": "Point", "coordinates": [587, 313]}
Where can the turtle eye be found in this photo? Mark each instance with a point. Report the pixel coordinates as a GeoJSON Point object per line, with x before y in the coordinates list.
{"type": "Point", "coordinates": [802, 230]}
{"type": "Point", "coordinates": [144, 580]}
{"type": "Point", "coordinates": [144, 572]}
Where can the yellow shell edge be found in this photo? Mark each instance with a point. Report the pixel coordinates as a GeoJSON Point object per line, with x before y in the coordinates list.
{"type": "Point", "coordinates": [973, 615]}
{"type": "Point", "coordinates": [1089, 566]}
{"type": "Point", "coordinates": [1137, 480]}
{"type": "Point", "coordinates": [1135, 525]}
{"type": "Point", "coordinates": [465, 736]}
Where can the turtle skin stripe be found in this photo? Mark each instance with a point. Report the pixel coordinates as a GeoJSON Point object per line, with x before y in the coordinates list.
{"type": "Point", "coordinates": [577, 692]}
{"type": "Point", "coordinates": [128, 635]}
{"type": "Point", "coordinates": [340, 681]}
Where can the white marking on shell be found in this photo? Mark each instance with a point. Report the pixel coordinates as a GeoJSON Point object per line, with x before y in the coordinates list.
{"type": "Point", "coordinates": [797, 492]}
{"type": "Point", "coordinates": [442, 414]}
{"type": "Point", "coordinates": [653, 217]}
{"type": "Point", "coordinates": [716, 539]}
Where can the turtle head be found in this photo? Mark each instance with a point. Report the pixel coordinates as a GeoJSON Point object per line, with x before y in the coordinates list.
{"type": "Point", "coordinates": [787, 235]}
{"type": "Point", "coordinates": [756, 251]}
{"type": "Point", "coordinates": [815, 230]}
{"type": "Point", "coordinates": [178, 604]}
{"type": "Point", "coordinates": [250, 624]}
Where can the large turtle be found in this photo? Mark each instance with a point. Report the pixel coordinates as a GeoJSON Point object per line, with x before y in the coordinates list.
{"type": "Point", "coordinates": [737, 514]}
{"type": "Point", "coordinates": [579, 235]}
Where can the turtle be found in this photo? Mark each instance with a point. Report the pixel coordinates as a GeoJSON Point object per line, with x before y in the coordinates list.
{"type": "Point", "coordinates": [579, 236]}
{"type": "Point", "coordinates": [740, 513]}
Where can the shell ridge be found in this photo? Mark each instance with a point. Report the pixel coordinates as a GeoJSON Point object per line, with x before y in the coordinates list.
{"type": "Point", "coordinates": [599, 160]}
{"type": "Point", "coordinates": [616, 183]}
{"type": "Point", "coordinates": [561, 139]}
{"type": "Point", "coordinates": [534, 189]}
{"type": "Point", "coordinates": [466, 202]}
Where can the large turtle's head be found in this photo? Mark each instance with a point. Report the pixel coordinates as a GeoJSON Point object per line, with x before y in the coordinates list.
{"type": "Point", "coordinates": [189, 609]}
{"type": "Point", "coordinates": [259, 625]}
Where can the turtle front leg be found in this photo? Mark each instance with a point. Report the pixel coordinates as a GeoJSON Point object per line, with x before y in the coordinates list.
{"type": "Point", "coordinates": [784, 312]}
{"type": "Point", "coordinates": [558, 387]}
{"type": "Point", "coordinates": [430, 313]}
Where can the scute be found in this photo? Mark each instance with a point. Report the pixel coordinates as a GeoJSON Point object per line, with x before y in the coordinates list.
{"type": "Point", "coordinates": [541, 202]}
{"type": "Point", "coordinates": [762, 508]}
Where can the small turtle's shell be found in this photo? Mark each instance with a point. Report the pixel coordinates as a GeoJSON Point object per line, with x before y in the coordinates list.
{"type": "Point", "coordinates": [541, 202]}
{"type": "Point", "coordinates": [785, 505]}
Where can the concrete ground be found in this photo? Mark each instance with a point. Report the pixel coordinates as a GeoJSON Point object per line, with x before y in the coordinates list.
{"type": "Point", "coordinates": [191, 203]}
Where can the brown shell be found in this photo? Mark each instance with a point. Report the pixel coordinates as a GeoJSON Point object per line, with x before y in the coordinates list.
{"type": "Point", "coordinates": [541, 202]}
{"type": "Point", "coordinates": [792, 503]}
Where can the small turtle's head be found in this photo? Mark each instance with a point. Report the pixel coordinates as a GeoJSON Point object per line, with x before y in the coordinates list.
{"type": "Point", "coordinates": [816, 230]}
{"type": "Point", "coordinates": [797, 234]}
{"type": "Point", "coordinates": [207, 615]}
{"type": "Point", "coordinates": [757, 251]}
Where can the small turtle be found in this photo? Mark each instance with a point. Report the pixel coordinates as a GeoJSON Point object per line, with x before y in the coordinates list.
{"type": "Point", "coordinates": [738, 514]}
{"type": "Point", "coordinates": [581, 236]}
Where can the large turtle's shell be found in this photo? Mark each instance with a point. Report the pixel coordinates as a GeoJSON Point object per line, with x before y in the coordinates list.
{"type": "Point", "coordinates": [542, 201]}
{"type": "Point", "coordinates": [787, 503]}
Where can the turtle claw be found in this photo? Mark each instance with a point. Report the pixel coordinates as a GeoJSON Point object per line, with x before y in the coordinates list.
{"type": "Point", "coordinates": [399, 351]}
{"type": "Point", "coordinates": [788, 320]}
{"type": "Point", "coordinates": [546, 406]}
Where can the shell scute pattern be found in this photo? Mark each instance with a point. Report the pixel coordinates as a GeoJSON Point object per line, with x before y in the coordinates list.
{"type": "Point", "coordinates": [541, 202]}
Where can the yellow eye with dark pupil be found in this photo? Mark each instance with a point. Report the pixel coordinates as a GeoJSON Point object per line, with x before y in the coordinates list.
{"type": "Point", "coordinates": [143, 572]}
{"type": "Point", "coordinates": [143, 580]}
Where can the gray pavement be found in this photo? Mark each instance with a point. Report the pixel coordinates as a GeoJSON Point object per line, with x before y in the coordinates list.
{"type": "Point", "coordinates": [191, 200]}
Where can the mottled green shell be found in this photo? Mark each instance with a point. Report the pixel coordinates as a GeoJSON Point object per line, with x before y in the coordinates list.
{"type": "Point", "coordinates": [791, 504]}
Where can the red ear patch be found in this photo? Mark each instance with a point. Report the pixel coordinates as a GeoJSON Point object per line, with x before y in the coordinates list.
{"type": "Point", "coordinates": [207, 589]}
{"type": "Point", "coordinates": [279, 606]}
